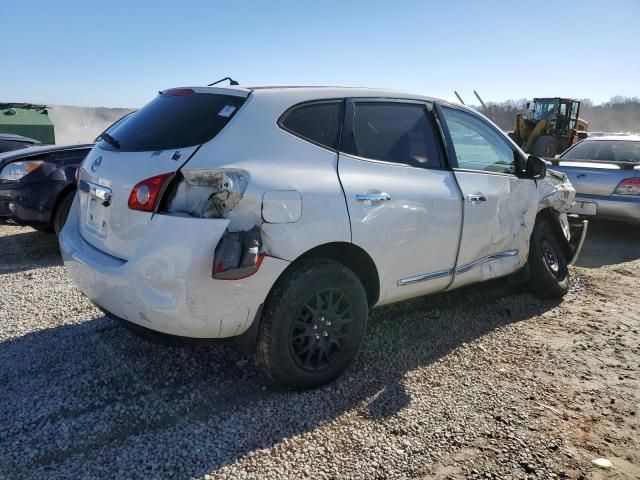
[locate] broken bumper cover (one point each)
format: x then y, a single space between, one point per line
166 285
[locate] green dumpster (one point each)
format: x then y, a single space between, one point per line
27 120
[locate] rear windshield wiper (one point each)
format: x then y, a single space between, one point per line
110 140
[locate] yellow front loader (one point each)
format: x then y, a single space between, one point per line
551 127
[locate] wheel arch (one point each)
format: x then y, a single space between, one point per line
351 256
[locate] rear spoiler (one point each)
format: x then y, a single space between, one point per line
623 165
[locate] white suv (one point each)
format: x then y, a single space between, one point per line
282 215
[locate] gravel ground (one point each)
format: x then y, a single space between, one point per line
485 382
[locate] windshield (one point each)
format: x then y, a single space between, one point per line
172 121
605 150
544 108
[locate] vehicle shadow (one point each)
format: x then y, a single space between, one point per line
27 249
609 243
89 399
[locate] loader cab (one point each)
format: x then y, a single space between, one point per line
561 114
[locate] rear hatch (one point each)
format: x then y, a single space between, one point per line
156 140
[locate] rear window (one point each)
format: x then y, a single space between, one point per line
317 122
605 150
172 121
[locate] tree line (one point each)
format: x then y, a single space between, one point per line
620 114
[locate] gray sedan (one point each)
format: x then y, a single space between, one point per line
605 172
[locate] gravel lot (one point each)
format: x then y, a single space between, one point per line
486 382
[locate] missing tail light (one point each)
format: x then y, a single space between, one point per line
238 255
628 186
205 193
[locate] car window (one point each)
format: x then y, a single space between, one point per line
393 132
318 122
478 146
176 118
605 150
112 127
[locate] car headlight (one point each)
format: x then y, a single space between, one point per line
17 170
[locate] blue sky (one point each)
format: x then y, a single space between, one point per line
120 53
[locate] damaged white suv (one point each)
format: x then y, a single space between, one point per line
281 215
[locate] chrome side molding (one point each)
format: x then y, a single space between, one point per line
463 269
488 258
424 277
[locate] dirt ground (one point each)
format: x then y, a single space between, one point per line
485 382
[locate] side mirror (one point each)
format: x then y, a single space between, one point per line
536 168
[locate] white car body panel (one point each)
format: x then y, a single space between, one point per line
166 285
120 172
414 233
308 169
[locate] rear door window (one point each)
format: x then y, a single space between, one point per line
174 119
317 122
393 132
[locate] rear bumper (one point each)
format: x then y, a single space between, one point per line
29 203
615 207
166 285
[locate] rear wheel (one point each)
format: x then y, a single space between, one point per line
313 324
545 146
62 211
549 274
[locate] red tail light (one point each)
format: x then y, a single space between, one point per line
146 193
628 186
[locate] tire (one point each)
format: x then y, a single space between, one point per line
313 325
61 211
545 146
549 274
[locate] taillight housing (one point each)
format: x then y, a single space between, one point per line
146 193
205 193
628 186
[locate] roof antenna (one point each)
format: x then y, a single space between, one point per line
231 81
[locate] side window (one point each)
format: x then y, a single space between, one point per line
478 146
318 122
393 132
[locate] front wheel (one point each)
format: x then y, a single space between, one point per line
313 324
549 273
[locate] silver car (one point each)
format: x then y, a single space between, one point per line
281 215
605 172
